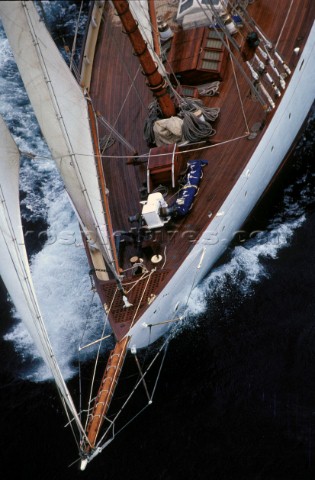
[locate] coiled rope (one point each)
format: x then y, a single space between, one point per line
209 89
154 114
196 120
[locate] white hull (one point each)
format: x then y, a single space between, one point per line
257 175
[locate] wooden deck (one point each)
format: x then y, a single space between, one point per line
119 93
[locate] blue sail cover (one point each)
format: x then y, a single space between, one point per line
187 193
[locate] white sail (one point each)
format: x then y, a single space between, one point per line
62 113
140 12
14 266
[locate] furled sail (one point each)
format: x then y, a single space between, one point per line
14 266
62 113
141 13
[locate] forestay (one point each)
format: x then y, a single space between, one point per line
14 266
62 113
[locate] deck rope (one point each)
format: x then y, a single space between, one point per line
143 292
209 89
135 283
194 128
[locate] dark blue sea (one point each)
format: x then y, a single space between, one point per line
236 396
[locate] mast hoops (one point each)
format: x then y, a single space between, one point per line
141 49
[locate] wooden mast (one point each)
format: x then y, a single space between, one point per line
156 82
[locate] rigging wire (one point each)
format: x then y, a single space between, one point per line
284 24
239 94
99 446
70 422
116 121
74 43
265 51
160 370
79 352
103 443
156 57
38 320
268 45
221 35
98 354
142 295
145 155
110 136
163 265
118 48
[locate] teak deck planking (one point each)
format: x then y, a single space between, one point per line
119 93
